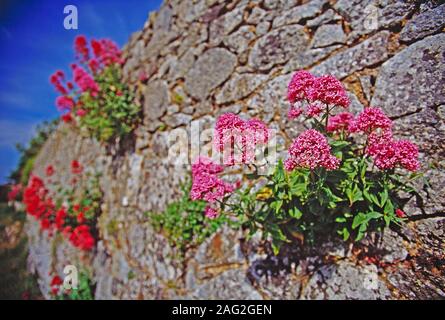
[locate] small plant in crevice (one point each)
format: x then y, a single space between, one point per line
71 209
183 222
343 176
96 99
84 290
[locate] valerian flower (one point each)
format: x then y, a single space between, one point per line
311 150
237 139
370 119
340 122
206 185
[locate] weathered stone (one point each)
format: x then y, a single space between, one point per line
424 24
367 16
256 15
307 58
155 100
327 35
346 281
225 24
177 119
239 40
414 76
280 4
278 46
367 53
239 86
262 28
328 16
297 14
209 71
190 11
196 34
163 18
158 42
231 284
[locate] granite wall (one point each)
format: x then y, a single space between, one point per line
194 60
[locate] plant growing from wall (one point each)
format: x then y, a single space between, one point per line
96 100
71 210
183 222
84 291
343 176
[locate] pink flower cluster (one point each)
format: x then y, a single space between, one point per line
237 139
311 150
388 153
57 79
370 119
206 185
84 80
340 122
104 53
315 91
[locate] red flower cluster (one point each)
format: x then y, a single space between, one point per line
311 150
39 204
81 238
76 167
55 284
49 171
57 79
104 53
81 48
37 201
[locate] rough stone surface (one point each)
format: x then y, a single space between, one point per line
209 71
156 100
414 76
367 53
278 46
239 86
366 16
207 57
327 35
424 24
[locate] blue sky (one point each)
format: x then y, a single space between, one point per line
34 43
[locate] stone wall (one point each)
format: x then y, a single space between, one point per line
194 60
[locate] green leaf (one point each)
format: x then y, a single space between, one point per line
359 219
295 213
345 233
373 215
387 220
